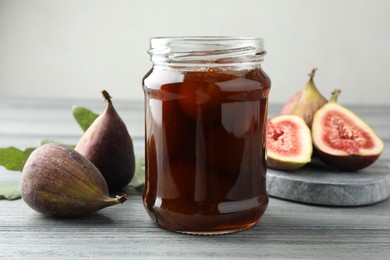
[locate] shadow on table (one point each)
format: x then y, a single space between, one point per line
95 219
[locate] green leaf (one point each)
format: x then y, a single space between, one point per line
51 141
139 174
14 159
10 191
84 116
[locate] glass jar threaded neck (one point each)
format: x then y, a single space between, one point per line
209 51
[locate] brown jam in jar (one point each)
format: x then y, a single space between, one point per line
205 129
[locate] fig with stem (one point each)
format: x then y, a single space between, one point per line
58 181
342 139
306 101
108 145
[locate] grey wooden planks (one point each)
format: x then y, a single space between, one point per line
288 230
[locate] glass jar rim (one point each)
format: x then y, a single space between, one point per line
165 39
179 49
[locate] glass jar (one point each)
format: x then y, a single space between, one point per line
206 106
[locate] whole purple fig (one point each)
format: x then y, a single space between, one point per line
107 144
58 181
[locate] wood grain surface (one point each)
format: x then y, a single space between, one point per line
288 230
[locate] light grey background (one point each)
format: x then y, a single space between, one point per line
75 48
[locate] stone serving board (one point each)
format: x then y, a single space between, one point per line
318 184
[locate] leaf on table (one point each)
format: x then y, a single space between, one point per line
14 159
10 191
83 116
139 174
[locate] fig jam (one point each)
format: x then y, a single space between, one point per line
205 130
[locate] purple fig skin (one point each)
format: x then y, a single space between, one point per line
350 163
284 133
58 181
282 165
341 144
306 101
107 144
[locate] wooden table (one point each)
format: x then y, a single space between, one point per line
287 230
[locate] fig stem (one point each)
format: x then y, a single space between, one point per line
107 96
335 95
121 199
312 73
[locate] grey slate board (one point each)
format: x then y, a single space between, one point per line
319 184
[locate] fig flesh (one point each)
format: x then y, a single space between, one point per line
107 144
306 101
289 143
58 181
342 139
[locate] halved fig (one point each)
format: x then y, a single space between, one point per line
289 143
342 139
